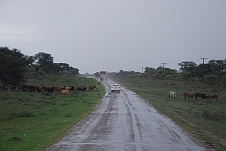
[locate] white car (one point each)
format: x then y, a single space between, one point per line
115 87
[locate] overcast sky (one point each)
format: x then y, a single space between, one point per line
113 35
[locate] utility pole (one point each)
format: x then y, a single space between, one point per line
203 60
163 70
203 68
142 71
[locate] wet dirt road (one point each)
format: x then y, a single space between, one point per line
124 122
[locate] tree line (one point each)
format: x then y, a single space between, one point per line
14 66
212 73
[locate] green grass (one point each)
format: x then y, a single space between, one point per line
204 118
34 121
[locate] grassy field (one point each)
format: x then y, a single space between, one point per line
205 119
33 121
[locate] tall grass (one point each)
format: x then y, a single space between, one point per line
33 121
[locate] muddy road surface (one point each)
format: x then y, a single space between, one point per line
125 122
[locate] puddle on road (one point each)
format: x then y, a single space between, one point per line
107 94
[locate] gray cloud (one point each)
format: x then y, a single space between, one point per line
116 35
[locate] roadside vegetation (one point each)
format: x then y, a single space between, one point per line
203 118
32 119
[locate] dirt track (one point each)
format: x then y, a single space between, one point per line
124 122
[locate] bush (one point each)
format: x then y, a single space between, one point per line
15 139
211 79
25 114
41 73
224 80
186 75
214 116
196 79
180 77
170 77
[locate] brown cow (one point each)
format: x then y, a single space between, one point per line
184 95
92 87
41 88
189 96
66 92
212 96
59 88
10 87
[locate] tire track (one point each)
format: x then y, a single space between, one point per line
137 139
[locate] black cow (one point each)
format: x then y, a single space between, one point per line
74 89
201 95
49 89
81 89
25 87
32 88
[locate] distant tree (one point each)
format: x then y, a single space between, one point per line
221 67
169 71
97 74
149 72
30 60
188 66
31 63
36 66
159 73
58 68
203 69
74 71
64 66
121 73
45 61
13 66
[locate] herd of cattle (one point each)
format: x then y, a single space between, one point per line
67 90
173 94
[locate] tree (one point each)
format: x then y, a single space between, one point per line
36 66
188 66
97 74
31 63
159 73
218 66
203 69
13 66
58 68
149 72
74 71
169 71
45 61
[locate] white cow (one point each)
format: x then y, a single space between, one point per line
172 94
